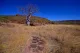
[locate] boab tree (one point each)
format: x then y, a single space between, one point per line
29 11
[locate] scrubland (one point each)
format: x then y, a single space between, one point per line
14 38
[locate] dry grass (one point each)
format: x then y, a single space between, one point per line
59 38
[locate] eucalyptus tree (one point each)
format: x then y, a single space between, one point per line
29 11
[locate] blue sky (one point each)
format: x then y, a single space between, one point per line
51 9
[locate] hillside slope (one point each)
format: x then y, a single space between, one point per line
22 20
14 38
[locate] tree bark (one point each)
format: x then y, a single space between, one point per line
28 19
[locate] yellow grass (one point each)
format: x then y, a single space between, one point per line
13 39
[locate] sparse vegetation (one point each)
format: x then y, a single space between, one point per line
58 38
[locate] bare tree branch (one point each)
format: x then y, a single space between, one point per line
29 11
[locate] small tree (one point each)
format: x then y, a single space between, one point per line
29 11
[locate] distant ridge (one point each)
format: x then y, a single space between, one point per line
68 22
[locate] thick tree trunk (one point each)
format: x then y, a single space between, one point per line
28 19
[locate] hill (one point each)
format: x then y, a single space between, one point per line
15 38
35 20
22 20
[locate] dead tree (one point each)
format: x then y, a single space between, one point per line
29 11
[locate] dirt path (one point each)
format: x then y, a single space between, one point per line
35 45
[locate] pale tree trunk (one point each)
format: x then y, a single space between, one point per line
28 19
